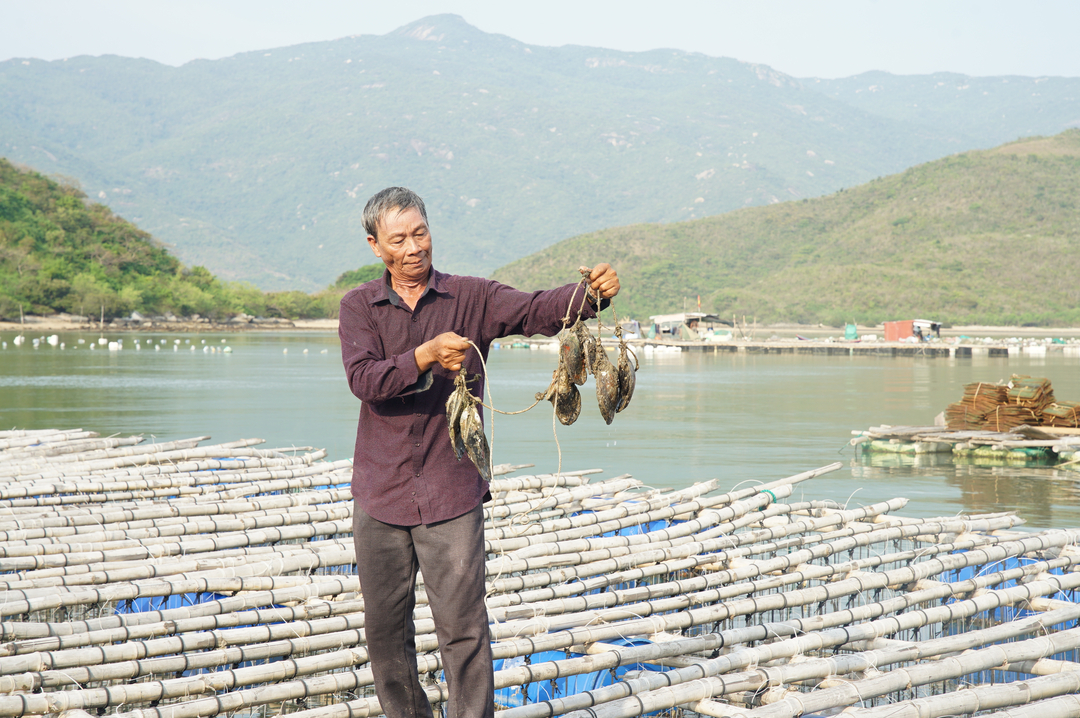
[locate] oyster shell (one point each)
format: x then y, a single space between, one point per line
572 354
568 404
627 377
607 382
476 445
455 405
563 395
588 348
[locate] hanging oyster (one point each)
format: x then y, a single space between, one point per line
476 445
455 406
466 429
572 354
563 395
588 348
568 404
627 376
607 382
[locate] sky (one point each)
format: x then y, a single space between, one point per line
804 38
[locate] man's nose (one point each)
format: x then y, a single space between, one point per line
412 245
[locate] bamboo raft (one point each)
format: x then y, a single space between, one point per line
187 580
1049 446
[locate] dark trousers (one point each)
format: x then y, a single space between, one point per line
451 556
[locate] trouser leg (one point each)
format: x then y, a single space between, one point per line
387 564
452 560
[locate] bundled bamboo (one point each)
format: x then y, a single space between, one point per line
1005 417
190 580
979 400
1030 392
1025 400
1062 413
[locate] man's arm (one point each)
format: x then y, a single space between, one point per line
510 311
372 377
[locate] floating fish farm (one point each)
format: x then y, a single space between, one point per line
188 579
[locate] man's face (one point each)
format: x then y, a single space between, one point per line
404 245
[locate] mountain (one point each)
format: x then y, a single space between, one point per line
980 108
257 166
982 237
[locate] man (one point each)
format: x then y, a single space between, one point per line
416 506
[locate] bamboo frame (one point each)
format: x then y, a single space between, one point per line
186 580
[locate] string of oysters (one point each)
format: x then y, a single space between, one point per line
580 354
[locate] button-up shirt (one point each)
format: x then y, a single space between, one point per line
405 471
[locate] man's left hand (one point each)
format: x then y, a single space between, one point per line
604 280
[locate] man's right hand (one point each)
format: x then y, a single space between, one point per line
447 350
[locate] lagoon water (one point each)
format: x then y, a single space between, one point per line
737 417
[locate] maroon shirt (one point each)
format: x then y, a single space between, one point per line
404 469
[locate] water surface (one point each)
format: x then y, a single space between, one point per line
736 417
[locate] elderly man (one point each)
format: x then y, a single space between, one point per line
416 506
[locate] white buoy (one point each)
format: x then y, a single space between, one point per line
222 341
227 350
5 345
93 346
175 348
82 341
285 350
114 346
61 345
157 347
305 351
325 351
102 341
176 341
205 350
204 341
19 340
53 339
192 348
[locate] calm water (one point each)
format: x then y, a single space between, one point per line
740 418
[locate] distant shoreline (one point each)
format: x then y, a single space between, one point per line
38 325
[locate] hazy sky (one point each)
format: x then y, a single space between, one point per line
820 38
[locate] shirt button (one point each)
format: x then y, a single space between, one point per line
418 445
414 319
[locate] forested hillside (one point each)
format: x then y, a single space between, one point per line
987 237
60 252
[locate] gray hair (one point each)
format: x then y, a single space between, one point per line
387 200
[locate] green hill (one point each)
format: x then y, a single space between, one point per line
257 166
62 253
985 237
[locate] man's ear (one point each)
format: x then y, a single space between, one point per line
374 244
